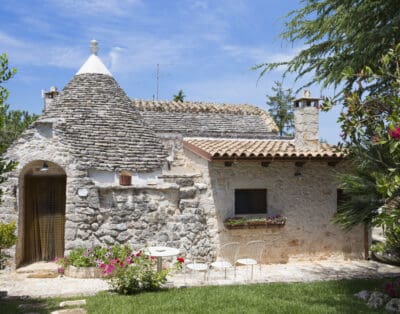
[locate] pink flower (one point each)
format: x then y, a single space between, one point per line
139 253
395 133
152 257
60 270
128 261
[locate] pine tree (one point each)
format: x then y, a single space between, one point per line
281 108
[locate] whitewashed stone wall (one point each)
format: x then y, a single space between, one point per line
308 202
166 211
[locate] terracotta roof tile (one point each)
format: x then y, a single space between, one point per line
248 149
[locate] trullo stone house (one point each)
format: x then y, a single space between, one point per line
99 168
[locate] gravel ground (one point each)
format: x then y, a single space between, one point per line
18 284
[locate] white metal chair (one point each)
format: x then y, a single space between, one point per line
197 265
251 254
228 257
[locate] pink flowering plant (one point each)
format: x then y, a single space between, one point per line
370 125
94 256
136 273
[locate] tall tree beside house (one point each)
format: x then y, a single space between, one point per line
12 122
371 136
180 97
281 108
339 35
9 120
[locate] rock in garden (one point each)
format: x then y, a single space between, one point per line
363 295
393 306
377 300
73 303
70 311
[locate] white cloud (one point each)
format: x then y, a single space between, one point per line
96 7
259 54
7 41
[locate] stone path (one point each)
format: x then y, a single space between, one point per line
18 284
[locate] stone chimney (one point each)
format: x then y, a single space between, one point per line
49 97
306 125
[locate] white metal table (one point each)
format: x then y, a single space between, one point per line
162 251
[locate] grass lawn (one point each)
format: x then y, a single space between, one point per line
317 297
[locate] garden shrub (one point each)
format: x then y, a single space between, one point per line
138 273
93 256
7 240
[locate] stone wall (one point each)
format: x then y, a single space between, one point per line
163 214
308 202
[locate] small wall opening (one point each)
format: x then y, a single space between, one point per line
125 178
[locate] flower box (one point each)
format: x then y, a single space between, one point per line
243 223
83 272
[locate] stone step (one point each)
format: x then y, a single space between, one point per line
38 268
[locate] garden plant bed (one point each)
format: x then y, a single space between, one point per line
83 272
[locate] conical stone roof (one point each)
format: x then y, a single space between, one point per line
102 128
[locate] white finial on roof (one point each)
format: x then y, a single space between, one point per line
94 47
93 64
307 93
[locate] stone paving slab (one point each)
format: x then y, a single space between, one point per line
17 284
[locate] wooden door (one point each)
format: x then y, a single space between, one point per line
44 217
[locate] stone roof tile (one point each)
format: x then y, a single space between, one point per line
207 119
102 128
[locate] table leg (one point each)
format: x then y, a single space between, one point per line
159 264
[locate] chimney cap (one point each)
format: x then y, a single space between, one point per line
306 100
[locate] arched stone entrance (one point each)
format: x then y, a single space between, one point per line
42 215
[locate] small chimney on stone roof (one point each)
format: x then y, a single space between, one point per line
94 47
49 97
306 124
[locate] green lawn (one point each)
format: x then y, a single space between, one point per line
319 297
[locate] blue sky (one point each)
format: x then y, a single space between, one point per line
205 47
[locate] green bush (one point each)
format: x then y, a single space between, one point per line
93 256
7 239
139 274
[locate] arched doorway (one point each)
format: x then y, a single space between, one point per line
43 217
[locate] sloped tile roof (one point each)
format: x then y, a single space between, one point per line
207 119
101 127
255 149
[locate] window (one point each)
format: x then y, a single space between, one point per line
250 201
125 178
341 198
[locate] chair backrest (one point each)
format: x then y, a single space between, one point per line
253 249
229 251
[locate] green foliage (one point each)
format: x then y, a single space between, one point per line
5 74
12 122
180 97
341 37
94 256
7 239
371 136
281 108
140 275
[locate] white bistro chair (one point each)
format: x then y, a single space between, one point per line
228 253
197 265
251 254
